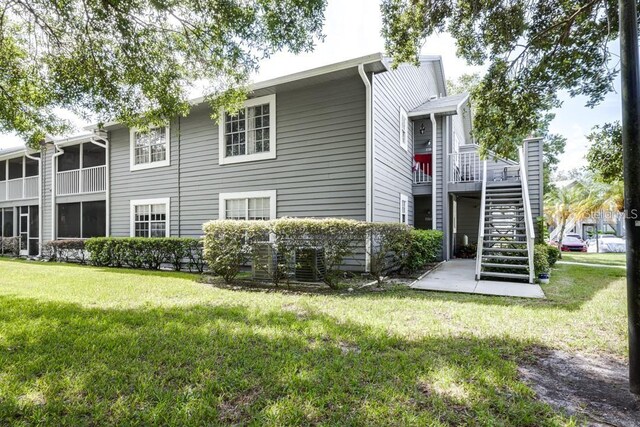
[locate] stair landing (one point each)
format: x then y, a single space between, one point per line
459 276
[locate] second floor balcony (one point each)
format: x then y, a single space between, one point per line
19 178
81 169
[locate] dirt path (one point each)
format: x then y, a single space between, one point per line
593 387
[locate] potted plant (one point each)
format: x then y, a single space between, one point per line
544 277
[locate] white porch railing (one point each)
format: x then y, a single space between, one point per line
465 167
81 181
422 174
19 188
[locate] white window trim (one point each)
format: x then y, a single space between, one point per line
132 213
143 166
404 122
223 197
271 154
403 198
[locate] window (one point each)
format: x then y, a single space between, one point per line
251 134
82 220
404 130
93 155
151 149
404 209
31 167
252 205
81 156
7 222
150 218
15 168
70 159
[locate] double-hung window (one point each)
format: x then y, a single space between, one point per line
150 149
404 209
252 205
150 218
251 133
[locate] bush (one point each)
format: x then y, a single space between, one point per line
65 250
10 246
467 251
553 254
541 259
142 252
425 247
229 244
389 245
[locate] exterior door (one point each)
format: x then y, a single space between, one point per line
23 229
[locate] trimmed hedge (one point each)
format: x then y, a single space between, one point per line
10 246
228 245
425 247
143 252
65 250
541 258
553 254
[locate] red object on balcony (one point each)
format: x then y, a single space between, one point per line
425 162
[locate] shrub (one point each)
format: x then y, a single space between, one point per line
388 246
467 251
229 244
425 247
553 254
10 246
65 250
541 259
142 252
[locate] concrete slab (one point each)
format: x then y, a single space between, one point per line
459 276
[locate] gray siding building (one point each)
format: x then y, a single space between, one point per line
355 140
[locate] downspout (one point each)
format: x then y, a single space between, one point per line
368 153
54 168
434 175
95 139
39 160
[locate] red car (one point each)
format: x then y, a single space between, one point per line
573 244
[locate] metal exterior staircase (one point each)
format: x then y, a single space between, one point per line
506 234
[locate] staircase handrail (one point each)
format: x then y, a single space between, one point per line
481 222
528 220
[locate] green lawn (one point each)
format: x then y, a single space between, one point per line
594 258
95 346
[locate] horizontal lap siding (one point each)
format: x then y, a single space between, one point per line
406 87
319 170
535 176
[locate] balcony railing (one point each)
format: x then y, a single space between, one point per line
19 188
465 167
422 174
81 181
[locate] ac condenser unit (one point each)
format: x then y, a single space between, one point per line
265 261
310 266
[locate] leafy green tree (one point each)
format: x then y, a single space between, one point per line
533 50
605 152
136 61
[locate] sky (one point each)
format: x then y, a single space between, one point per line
352 29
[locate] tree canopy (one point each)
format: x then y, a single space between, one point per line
136 61
605 153
533 50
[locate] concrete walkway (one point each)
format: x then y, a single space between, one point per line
459 276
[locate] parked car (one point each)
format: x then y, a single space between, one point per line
607 244
577 236
573 244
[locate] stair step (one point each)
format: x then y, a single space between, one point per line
506 257
504 194
506 228
484 249
498 265
501 198
504 235
504 275
506 242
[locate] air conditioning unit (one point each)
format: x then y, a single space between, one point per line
265 261
310 266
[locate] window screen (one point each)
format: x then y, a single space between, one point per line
69 220
92 155
15 168
70 160
93 219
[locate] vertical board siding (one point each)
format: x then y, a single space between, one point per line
319 170
406 87
534 162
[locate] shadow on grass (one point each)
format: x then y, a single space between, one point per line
64 364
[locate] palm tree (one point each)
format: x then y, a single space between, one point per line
564 203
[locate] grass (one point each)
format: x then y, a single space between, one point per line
94 346
619 259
